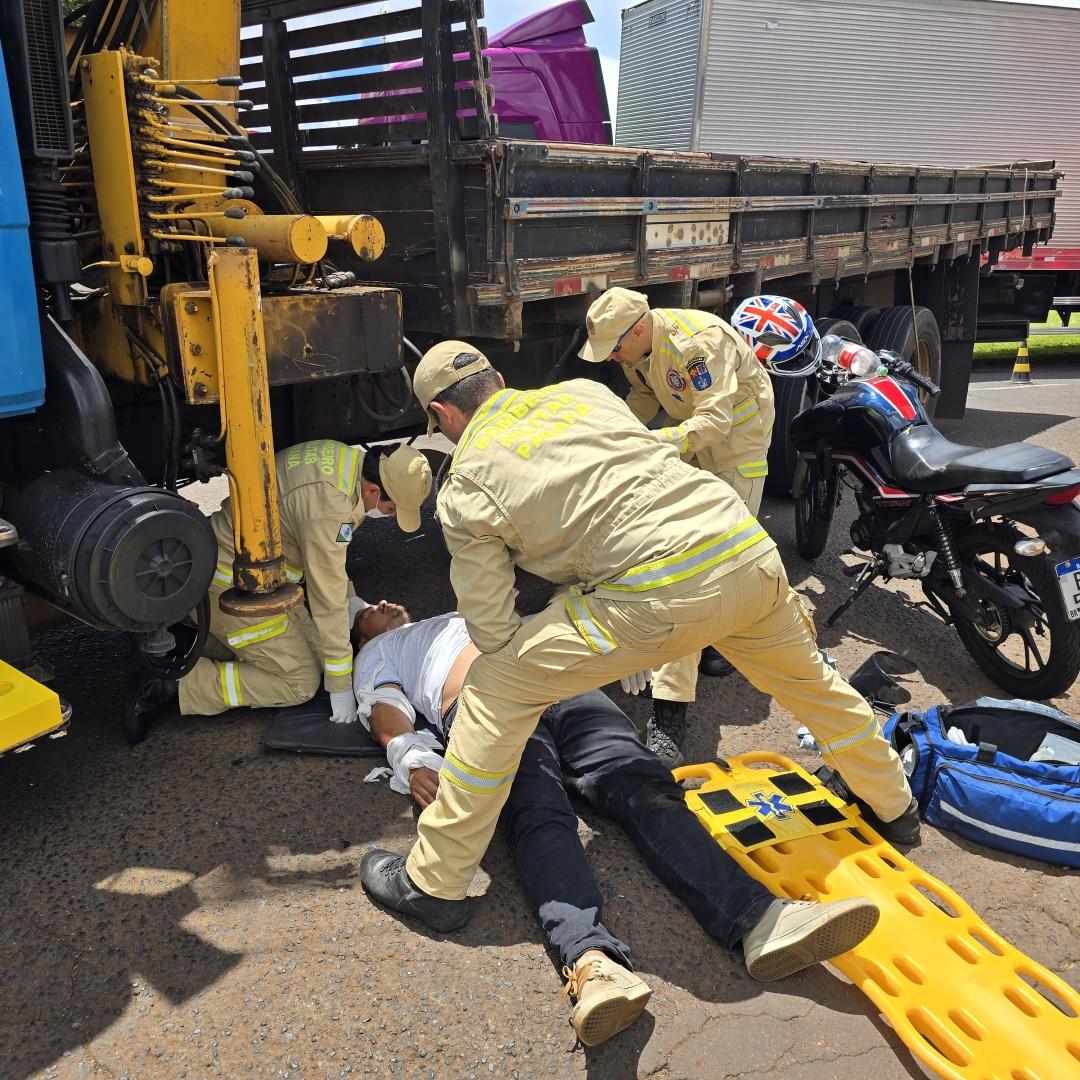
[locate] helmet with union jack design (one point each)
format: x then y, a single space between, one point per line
781 333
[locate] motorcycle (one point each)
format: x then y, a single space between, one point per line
992 536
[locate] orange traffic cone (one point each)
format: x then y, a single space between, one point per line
1021 372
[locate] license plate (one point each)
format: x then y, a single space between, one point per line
1069 582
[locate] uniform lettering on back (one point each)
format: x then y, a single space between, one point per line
531 421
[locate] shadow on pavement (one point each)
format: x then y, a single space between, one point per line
618 1057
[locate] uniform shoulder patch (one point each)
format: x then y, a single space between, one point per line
344 534
675 380
698 371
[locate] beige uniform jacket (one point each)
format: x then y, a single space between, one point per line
319 506
565 483
705 377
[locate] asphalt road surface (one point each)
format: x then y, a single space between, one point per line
191 907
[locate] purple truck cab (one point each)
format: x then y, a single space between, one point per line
548 83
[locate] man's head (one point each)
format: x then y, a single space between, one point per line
395 480
619 326
451 382
376 619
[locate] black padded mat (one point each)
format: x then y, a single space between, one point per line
307 729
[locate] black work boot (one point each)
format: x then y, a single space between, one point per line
712 663
146 698
385 879
906 829
665 732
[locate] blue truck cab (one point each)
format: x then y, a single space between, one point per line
22 371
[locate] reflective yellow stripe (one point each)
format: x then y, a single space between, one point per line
338 667
679 567
687 321
223 576
743 413
475 780
851 739
499 403
675 434
293 575
751 469
348 461
667 347
594 635
263 631
231 693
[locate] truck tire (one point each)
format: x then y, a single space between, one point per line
893 331
842 328
862 318
790 399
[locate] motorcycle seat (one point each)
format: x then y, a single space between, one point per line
924 460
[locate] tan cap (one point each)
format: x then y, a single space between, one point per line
608 318
406 479
443 365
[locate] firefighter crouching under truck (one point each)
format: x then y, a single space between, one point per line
325 489
712 383
656 558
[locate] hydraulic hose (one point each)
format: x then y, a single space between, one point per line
225 126
169 404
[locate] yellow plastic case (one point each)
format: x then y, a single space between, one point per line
962 999
28 710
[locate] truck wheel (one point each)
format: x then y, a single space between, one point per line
842 328
789 399
862 318
893 331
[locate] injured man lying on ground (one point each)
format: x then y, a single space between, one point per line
407 673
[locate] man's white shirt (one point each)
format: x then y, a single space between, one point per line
417 658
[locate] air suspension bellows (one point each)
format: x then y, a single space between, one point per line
120 558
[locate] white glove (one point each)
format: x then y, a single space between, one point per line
344 706
634 684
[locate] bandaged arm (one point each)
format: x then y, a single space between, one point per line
387 714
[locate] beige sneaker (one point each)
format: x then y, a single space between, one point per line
793 934
609 998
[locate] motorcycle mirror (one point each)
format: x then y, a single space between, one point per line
874 679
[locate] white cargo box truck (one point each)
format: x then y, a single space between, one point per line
932 82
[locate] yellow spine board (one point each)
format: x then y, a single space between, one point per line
28 710
959 996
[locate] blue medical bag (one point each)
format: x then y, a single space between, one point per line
1009 777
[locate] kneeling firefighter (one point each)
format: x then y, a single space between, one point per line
710 378
325 489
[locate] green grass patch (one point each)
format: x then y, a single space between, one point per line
1052 347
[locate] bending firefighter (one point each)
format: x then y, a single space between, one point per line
325 489
657 559
712 384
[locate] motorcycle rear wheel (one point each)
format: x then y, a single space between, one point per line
1040 661
814 512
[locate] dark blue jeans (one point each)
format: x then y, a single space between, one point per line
589 744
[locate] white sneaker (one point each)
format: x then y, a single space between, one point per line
609 998
793 934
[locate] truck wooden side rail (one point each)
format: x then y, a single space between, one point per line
507 241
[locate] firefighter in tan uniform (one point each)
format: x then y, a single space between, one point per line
325 489
656 558
707 380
